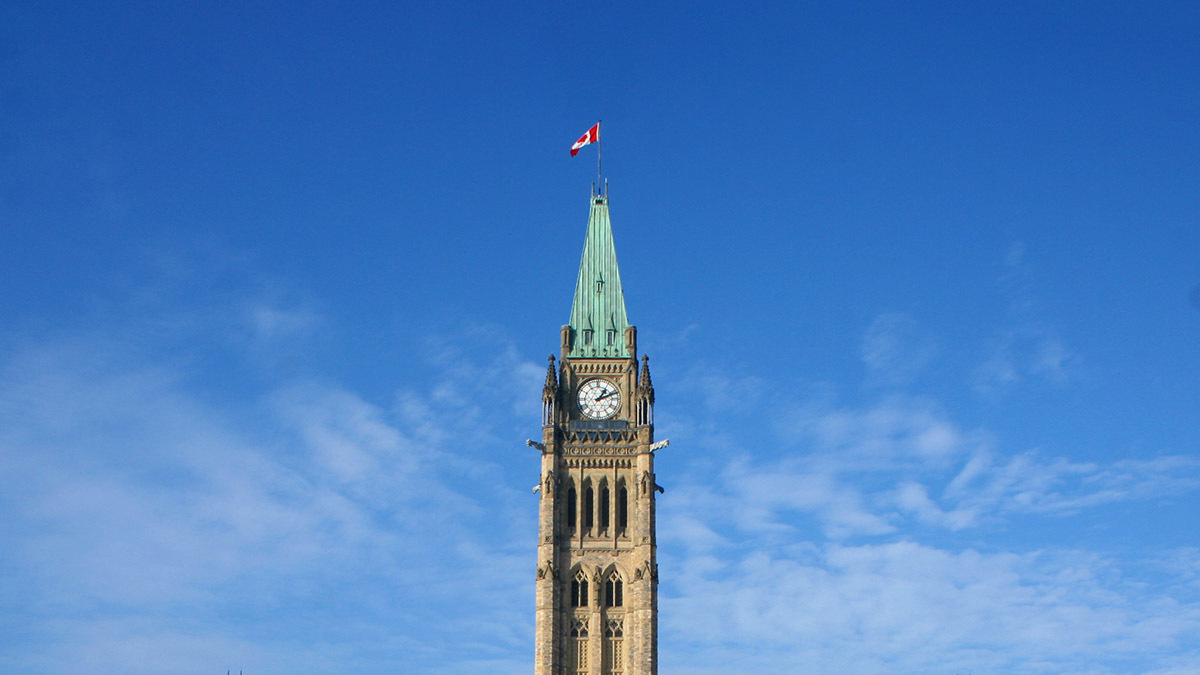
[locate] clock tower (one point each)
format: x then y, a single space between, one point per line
597 577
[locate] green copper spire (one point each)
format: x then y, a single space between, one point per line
598 320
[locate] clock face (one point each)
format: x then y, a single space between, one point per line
599 399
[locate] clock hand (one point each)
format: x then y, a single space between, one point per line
605 395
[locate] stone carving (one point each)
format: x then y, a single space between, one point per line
598 463
547 572
603 436
646 571
585 450
602 368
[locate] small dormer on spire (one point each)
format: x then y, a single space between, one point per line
598 325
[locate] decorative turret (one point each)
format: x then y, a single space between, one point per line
644 383
598 326
549 394
551 387
645 394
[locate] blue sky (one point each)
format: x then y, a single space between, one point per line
920 284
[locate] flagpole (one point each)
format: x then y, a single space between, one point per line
599 146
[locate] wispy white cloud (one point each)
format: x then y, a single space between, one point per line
1028 482
907 607
896 348
904 457
898 431
770 495
913 499
152 519
211 526
1031 351
270 322
1027 348
843 554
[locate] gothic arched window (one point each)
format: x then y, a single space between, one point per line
579 590
614 647
604 507
588 510
577 657
622 508
571 507
614 591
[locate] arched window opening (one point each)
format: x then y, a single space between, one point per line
622 509
578 658
588 503
579 590
614 646
603 507
571 508
614 591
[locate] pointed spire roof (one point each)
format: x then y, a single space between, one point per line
551 379
599 305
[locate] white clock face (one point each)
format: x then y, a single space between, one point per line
599 399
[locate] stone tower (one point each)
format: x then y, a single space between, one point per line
597 577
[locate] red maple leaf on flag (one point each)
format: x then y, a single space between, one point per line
590 136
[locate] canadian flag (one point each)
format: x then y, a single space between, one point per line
591 136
